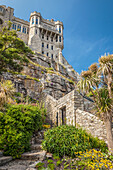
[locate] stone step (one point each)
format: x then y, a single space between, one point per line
38 141
36 147
34 156
5 159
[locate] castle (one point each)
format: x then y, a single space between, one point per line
41 35
65 105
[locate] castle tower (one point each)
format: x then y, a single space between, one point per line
34 32
46 36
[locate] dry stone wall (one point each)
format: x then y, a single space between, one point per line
91 123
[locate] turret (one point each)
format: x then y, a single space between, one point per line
34 23
59 26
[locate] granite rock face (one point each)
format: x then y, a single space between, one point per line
44 74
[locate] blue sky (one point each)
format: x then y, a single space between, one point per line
88 26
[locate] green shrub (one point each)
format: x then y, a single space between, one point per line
16 128
66 140
58 163
50 161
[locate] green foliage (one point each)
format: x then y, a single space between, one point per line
39 165
66 140
51 166
13 50
17 126
50 161
58 163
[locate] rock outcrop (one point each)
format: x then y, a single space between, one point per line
44 74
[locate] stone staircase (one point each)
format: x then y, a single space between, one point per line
36 152
28 159
4 159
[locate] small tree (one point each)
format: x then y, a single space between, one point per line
13 50
98 81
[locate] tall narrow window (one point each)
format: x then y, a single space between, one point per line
51 56
36 20
42 44
42 36
47 54
42 52
24 30
47 37
51 39
13 26
19 28
27 30
56 38
1 9
60 39
36 31
52 47
47 46
59 29
33 20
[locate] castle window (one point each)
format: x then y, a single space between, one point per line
42 36
19 28
52 47
33 20
47 54
60 39
56 38
51 56
1 8
27 30
14 26
36 20
51 39
47 37
42 44
59 29
47 46
42 52
36 31
24 30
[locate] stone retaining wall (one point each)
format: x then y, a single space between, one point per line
91 123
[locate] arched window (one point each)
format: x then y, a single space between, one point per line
36 20
33 20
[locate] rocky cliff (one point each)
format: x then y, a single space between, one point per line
44 74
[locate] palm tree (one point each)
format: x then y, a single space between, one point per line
106 71
98 81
